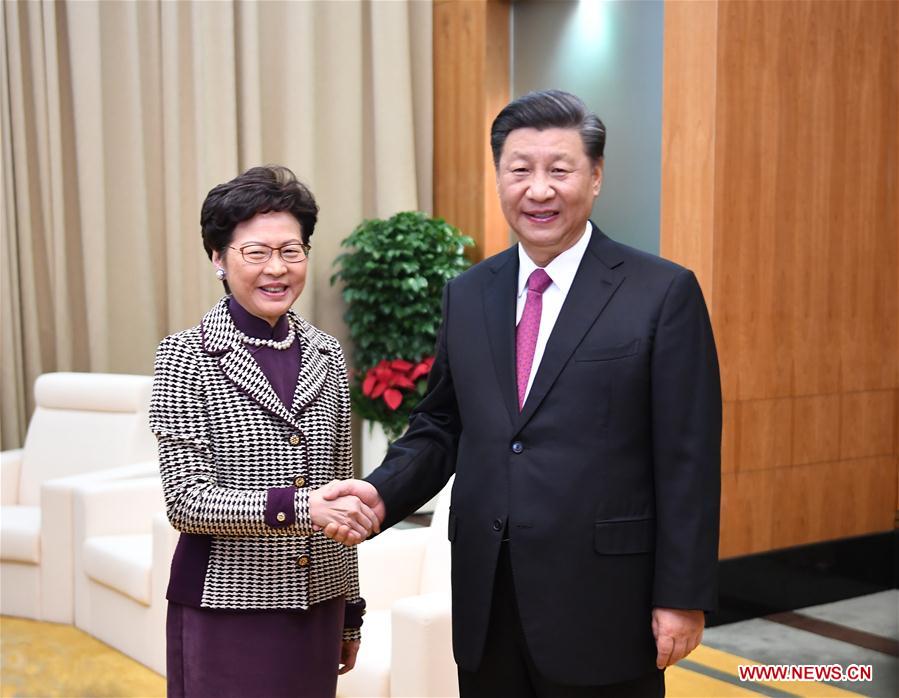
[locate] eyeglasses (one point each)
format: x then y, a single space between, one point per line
256 253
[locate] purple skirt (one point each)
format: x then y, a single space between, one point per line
253 653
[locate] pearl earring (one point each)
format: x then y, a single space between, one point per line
220 274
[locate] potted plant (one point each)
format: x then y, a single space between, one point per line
393 275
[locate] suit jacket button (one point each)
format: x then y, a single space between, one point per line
517 447
282 517
299 481
294 439
303 560
497 525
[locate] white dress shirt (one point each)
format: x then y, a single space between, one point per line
561 270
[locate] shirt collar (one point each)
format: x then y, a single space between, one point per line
561 270
253 326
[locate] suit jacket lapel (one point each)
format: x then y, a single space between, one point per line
241 369
594 285
220 338
313 367
499 313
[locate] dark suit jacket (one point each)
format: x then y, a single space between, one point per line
607 482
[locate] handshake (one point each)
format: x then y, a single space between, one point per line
348 511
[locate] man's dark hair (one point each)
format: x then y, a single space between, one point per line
549 109
267 189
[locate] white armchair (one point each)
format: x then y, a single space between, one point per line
86 426
407 635
123 552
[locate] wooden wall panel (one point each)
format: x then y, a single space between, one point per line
471 85
867 424
804 220
816 429
763 437
794 230
782 507
688 138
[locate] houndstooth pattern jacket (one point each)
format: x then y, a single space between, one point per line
238 467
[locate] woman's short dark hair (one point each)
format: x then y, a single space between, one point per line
266 189
549 109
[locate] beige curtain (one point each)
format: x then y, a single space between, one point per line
118 117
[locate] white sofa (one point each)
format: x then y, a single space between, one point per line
124 546
86 426
407 635
123 552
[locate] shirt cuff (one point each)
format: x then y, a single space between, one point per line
352 615
279 507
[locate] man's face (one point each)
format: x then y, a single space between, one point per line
546 186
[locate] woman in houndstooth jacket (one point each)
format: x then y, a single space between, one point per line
251 410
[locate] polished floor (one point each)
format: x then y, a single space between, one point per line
859 631
44 659
47 659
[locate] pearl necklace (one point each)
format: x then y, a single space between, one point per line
274 344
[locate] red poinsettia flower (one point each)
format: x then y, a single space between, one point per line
422 368
388 378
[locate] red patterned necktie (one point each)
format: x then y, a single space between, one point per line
528 328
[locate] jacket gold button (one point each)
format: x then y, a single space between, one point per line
303 560
299 481
294 439
281 516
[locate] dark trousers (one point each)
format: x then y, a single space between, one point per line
507 668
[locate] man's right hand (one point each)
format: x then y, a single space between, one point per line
346 511
346 533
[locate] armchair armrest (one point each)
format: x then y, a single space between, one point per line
390 566
58 535
112 507
422 647
164 534
145 468
107 508
55 488
165 539
10 467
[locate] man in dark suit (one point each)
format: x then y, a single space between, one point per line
576 396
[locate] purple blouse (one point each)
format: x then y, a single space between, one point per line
281 367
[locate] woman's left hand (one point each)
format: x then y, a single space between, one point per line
348 651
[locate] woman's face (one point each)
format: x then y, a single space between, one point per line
266 290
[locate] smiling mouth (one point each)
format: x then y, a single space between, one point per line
274 289
541 216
